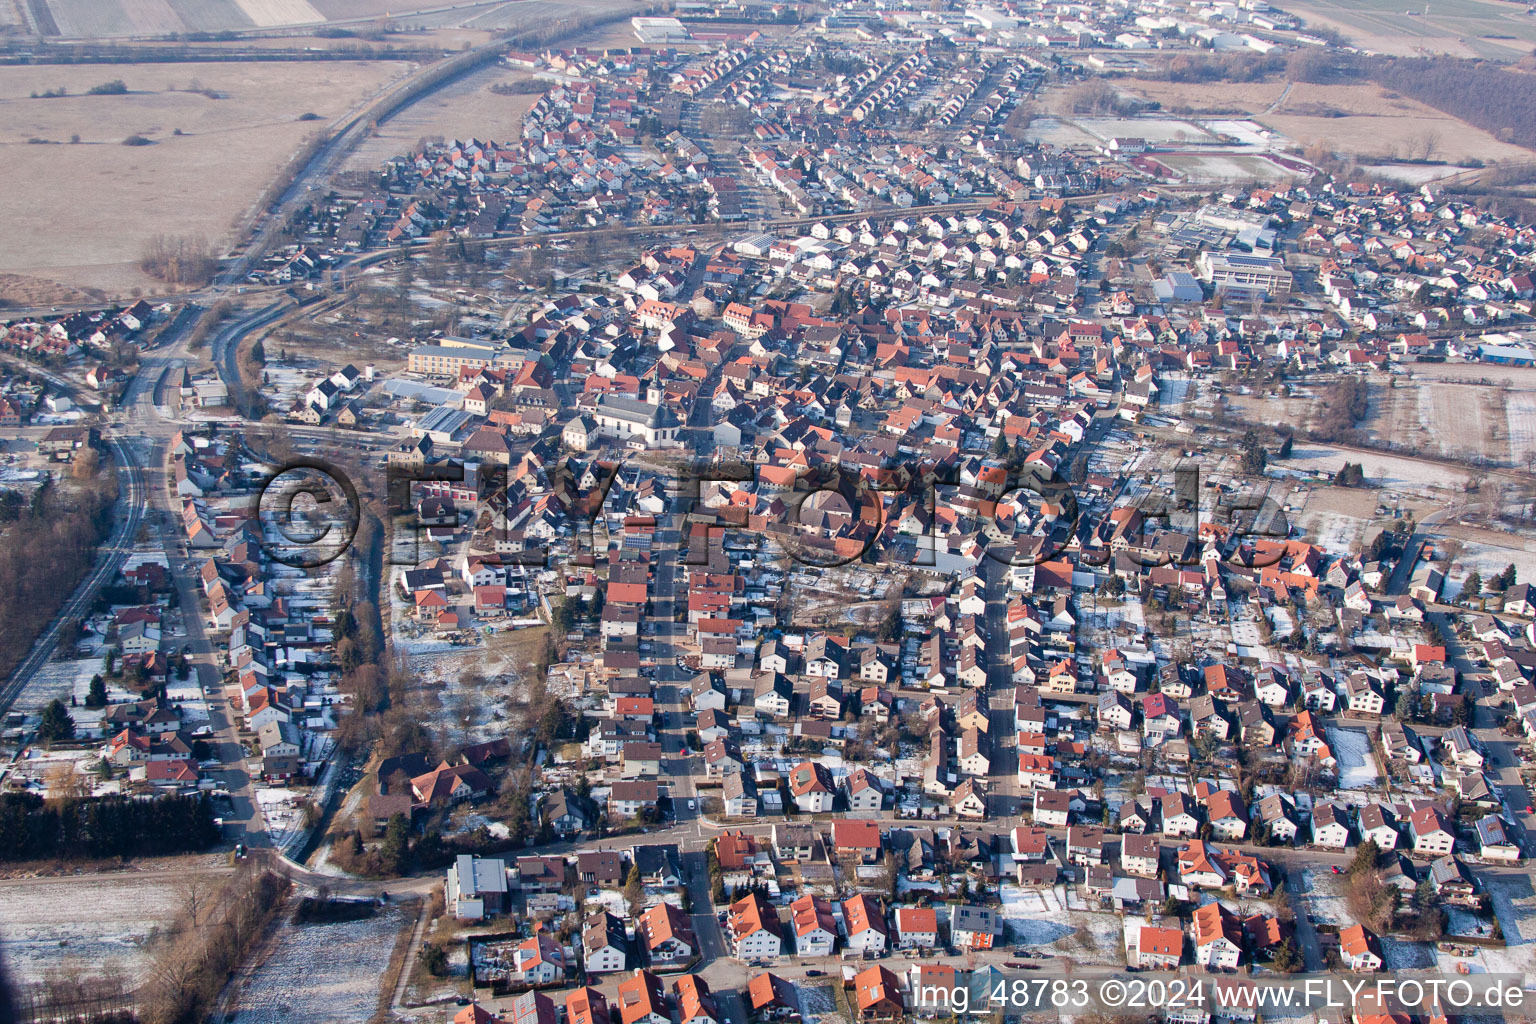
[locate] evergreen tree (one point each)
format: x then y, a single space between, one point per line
1472 586
1366 856
396 848
56 724
634 889
1288 958
96 697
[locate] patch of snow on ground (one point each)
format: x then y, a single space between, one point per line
1402 955
62 679
1326 897
1033 917
1490 560
1357 765
1390 471
818 1005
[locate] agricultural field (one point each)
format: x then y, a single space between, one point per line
1440 418
102 922
103 19
218 134
1197 97
323 971
1463 28
1456 420
463 109
1362 120
1520 426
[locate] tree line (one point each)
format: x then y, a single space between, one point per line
107 826
1344 405
214 932
46 550
1485 95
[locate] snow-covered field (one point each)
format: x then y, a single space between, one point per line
1389 471
1520 417
1033 917
1514 902
61 679
100 922
1357 765
1335 531
1490 560
322 972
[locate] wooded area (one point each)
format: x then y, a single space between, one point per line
45 552
108 826
1487 96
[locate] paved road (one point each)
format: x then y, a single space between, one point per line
152 430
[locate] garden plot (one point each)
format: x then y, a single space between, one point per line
322 972
1513 903
63 679
1173 393
1402 955
1357 766
819 1005
101 922
1059 918
475 686
284 383
283 812
1326 897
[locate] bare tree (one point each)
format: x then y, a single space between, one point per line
179 259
